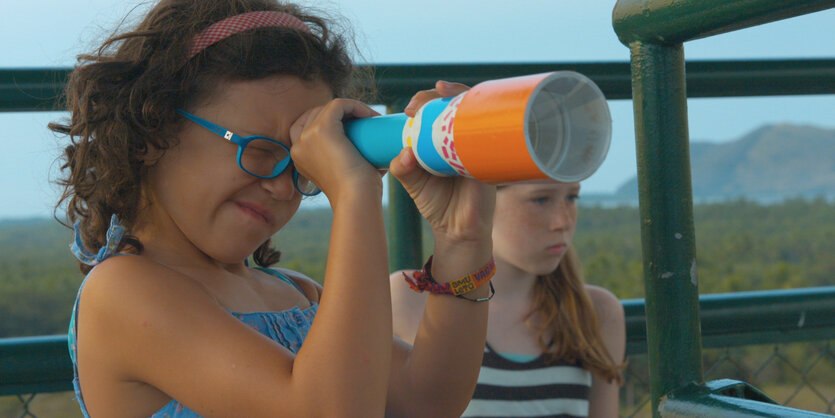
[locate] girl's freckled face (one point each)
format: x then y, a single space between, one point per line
197 187
534 224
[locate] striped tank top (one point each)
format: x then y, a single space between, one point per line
534 388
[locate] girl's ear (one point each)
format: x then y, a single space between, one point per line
152 155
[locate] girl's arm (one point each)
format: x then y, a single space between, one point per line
437 376
603 398
406 305
346 358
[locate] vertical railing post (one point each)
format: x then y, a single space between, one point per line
405 243
666 210
404 235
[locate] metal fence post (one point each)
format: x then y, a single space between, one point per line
666 210
404 235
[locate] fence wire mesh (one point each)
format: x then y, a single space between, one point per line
40 405
798 375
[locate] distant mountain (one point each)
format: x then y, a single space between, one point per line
770 164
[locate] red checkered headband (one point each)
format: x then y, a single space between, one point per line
243 22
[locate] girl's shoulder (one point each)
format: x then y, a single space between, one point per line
122 269
130 304
134 282
607 306
311 288
611 319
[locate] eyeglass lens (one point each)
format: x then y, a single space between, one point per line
260 156
305 186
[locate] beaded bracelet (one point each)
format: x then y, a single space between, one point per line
423 281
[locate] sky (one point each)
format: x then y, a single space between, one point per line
50 33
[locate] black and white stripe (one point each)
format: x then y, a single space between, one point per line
532 389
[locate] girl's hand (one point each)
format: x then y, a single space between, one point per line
322 153
459 209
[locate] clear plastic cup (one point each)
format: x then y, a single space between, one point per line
568 126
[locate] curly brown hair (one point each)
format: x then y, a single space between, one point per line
122 99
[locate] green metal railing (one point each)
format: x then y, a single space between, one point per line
654 31
800 381
749 318
40 89
38 365
737 321
34 365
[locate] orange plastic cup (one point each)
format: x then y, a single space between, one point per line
553 125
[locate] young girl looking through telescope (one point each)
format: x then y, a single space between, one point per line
193 137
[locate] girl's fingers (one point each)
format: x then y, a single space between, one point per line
449 89
442 89
419 99
297 127
407 170
320 150
334 112
403 163
344 109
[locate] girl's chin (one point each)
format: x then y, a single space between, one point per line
547 267
234 253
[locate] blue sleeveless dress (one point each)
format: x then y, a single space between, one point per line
288 328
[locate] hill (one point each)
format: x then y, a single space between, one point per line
770 164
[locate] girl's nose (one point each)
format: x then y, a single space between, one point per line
280 187
560 218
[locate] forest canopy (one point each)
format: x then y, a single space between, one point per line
740 245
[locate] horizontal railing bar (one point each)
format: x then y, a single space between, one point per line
745 318
40 89
667 22
34 364
32 89
760 78
398 82
42 364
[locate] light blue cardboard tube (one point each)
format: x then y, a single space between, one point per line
378 139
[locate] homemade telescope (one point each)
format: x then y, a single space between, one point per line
553 125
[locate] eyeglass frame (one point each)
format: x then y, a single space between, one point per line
242 142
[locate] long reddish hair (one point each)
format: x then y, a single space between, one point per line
568 328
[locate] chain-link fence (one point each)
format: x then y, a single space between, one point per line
43 405
798 375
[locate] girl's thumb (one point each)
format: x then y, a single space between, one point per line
406 168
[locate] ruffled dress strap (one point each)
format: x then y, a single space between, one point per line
114 236
115 232
284 278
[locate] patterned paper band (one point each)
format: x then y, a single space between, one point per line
418 133
443 136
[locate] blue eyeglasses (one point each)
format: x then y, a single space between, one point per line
259 156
